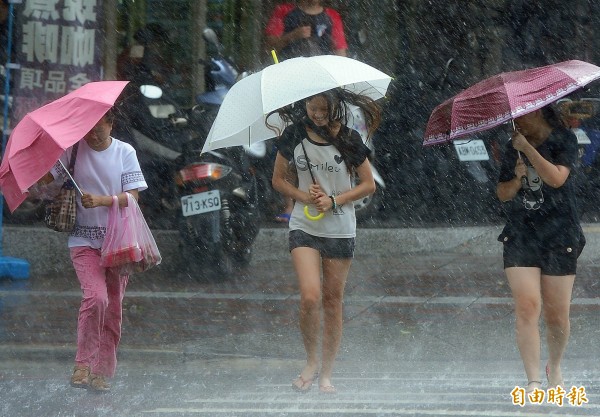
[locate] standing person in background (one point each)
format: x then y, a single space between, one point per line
305 28
542 237
104 167
146 61
325 154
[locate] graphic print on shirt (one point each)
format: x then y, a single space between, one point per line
320 29
533 196
327 167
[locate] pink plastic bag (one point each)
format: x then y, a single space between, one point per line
128 245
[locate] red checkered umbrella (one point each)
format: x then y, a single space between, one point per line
505 96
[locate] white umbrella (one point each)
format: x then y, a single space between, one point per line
241 117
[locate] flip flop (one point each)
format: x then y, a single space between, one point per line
305 385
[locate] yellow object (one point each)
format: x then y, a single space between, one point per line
311 217
274 55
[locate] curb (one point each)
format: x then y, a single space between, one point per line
46 251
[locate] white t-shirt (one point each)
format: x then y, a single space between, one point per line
330 171
108 172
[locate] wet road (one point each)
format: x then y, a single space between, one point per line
427 334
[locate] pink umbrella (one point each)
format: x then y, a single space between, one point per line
505 96
41 137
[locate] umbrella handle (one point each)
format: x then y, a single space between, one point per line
71 178
311 217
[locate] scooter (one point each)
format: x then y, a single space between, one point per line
209 198
219 216
441 184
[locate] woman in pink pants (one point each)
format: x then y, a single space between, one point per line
104 167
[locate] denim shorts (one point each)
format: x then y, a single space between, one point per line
328 247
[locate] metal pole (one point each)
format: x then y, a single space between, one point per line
198 48
9 267
8 67
6 98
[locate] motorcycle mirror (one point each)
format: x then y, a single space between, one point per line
151 91
210 36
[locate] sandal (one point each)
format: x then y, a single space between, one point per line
80 377
98 383
305 384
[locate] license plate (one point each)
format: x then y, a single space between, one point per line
471 150
201 203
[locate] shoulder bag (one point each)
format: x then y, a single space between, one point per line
60 212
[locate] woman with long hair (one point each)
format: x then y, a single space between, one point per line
318 157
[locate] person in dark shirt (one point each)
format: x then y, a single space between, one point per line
305 29
145 61
542 237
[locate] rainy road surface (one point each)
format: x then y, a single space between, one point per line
428 334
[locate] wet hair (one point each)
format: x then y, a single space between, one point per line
338 101
552 116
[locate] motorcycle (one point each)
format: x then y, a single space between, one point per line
219 216
209 198
450 183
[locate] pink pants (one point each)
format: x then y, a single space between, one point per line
100 314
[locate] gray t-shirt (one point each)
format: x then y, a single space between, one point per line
330 171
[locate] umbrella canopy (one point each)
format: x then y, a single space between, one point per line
241 117
505 96
40 138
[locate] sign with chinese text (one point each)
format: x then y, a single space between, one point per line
58 48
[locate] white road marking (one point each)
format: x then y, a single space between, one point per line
357 411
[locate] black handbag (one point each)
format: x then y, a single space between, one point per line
60 212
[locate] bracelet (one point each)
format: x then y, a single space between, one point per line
333 202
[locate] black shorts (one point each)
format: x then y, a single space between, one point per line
328 247
526 251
